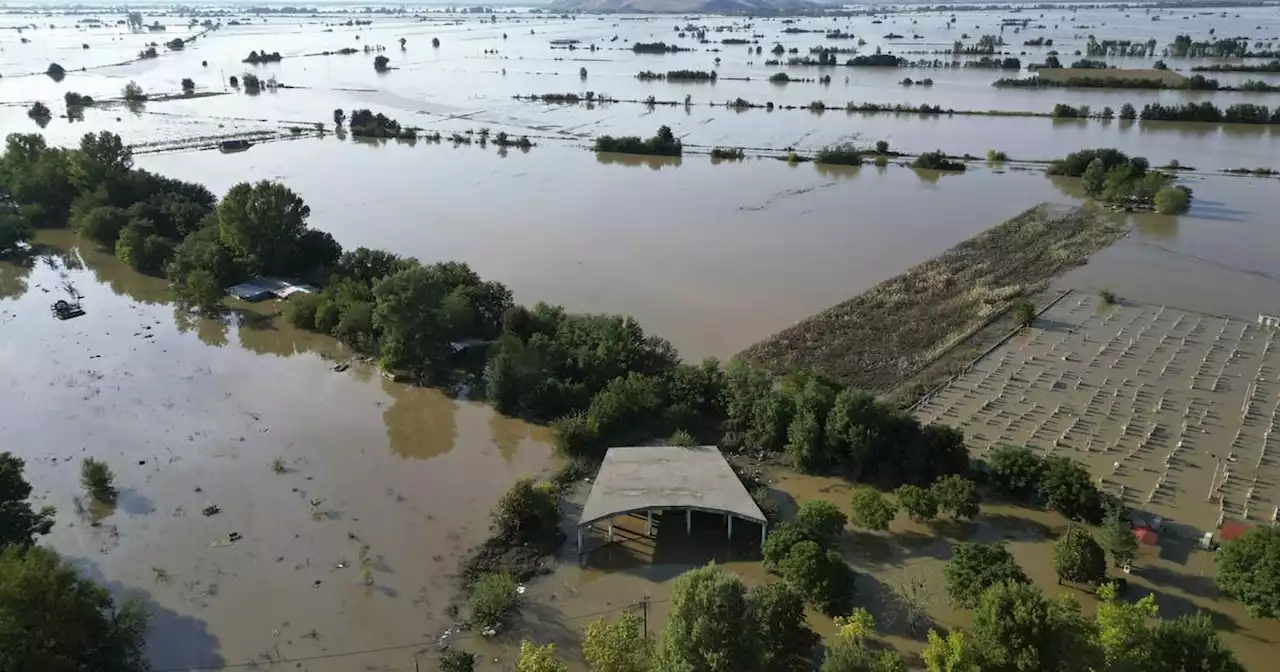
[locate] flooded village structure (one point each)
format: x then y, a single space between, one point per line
745 292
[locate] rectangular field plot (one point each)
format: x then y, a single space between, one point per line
1174 411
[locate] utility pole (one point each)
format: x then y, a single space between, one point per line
644 605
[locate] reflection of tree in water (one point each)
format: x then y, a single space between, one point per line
109 271
421 422
13 276
269 334
653 162
211 330
507 433
932 176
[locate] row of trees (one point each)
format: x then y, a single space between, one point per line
717 623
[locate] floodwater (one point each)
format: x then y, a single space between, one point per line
713 256
352 547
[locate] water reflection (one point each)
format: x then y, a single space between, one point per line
652 162
14 271
838 172
421 422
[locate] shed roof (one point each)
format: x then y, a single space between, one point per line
1232 529
647 477
1147 536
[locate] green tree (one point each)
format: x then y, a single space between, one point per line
102 225
821 576
617 646
1078 558
918 502
820 521
200 290
974 568
953 653
142 248
1249 571
1024 313
262 225
526 512
1015 470
848 651
785 637
871 510
1122 629
710 626
1066 487
19 523
957 495
96 478
1116 538
534 658
54 621
103 159
1018 630
1127 112
1189 643
1094 177
1172 200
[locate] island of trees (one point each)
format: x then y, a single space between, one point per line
664 143
256 57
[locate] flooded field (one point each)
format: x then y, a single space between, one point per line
353 547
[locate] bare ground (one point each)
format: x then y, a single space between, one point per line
894 330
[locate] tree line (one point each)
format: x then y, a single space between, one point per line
664 143
1111 175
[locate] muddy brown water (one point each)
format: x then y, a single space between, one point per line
191 413
713 257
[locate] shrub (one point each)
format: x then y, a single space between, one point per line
871 510
1172 200
841 155
96 478
493 597
133 93
527 511
55 71
779 78
729 153
996 156
662 144
882 147
1108 297
1078 558
1024 313
188 85
937 160
822 577
381 63
918 502
39 110
457 660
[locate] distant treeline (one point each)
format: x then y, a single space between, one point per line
679 75
1271 66
656 48
263 57
1193 83
1240 113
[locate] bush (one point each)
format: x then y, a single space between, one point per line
1172 200
729 153
188 85
493 598
871 510
381 63
662 144
1014 470
133 93
55 71
1024 313
841 155
457 660
957 494
996 156
918 502
527 511
74 99
882 147
937 160
1108 297
779 78
301 310
1247 570
96 478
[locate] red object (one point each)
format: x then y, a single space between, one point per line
1147 536
1231 529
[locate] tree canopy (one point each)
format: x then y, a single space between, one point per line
1019 630
1078 558
54 621
1249 571
710 626
974 568
872 510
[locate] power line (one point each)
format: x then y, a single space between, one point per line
383 649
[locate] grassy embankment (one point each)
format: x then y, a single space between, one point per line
886 335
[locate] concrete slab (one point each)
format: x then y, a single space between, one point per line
633 479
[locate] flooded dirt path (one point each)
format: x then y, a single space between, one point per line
353 546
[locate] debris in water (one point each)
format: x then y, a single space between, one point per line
210 510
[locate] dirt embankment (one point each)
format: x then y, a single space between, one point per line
889 333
